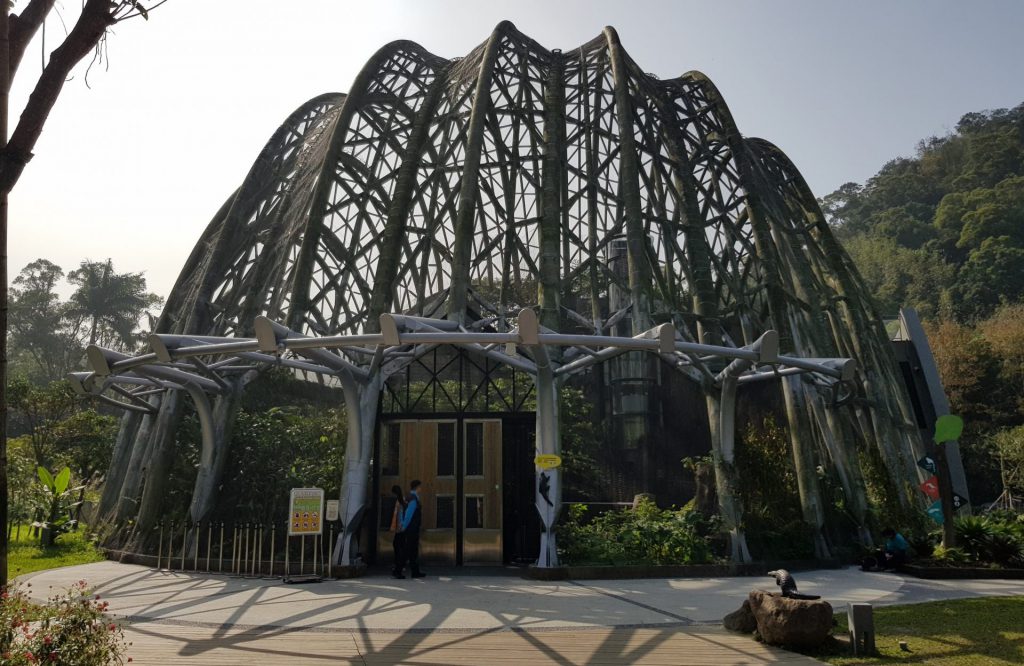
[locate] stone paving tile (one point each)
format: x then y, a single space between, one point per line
465 617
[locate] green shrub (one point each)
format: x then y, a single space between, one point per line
973 533
643 535
952 557
70 629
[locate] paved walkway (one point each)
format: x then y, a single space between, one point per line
469 617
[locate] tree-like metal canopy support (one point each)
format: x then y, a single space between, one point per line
546 209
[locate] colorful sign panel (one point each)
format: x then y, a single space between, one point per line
548 461
928 464
306 511
935 512
931 487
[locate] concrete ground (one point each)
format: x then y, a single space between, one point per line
461 616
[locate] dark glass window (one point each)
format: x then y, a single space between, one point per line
446 449
445 511
389 450
387 510
474 511
474 449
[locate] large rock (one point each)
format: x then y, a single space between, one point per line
796 622
741 620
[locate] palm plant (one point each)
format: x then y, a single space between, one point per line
110 304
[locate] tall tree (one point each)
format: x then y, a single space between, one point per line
111 303
16 32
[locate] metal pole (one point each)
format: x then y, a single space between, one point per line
209 542
184 538
160 546
170 545
195 558
286 549
273 534
244 558
330 551
220 551
302 555
255 549
234 549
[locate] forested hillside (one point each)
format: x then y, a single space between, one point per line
943 231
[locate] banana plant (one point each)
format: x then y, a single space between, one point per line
57 504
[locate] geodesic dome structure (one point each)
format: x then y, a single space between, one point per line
569 183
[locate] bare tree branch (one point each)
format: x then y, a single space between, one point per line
96 17
23 28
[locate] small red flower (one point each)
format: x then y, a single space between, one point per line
113 626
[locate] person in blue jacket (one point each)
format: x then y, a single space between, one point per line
411 520
896 550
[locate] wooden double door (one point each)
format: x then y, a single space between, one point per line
458 462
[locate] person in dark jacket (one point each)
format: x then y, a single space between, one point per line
398 543
411 522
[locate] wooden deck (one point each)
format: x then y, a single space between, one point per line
161 643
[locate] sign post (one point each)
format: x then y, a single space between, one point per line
305 518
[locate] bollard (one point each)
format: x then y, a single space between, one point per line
160 545
861 621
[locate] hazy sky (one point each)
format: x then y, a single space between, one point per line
134 167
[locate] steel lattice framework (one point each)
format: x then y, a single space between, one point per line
470 190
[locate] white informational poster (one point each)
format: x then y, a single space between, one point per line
333 507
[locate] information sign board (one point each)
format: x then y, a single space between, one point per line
305 511
331 513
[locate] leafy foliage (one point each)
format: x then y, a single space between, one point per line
57 502
943 231
271 452
582 473
48 336
772 516
70 628
644 534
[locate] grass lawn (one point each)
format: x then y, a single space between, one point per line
948 633
25 555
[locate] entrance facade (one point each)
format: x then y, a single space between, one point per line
459 462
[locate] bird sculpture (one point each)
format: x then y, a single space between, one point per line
788 584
